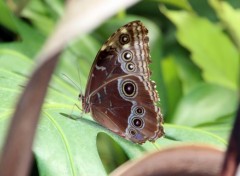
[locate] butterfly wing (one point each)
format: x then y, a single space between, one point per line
119 93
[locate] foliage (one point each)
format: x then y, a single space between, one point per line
195 49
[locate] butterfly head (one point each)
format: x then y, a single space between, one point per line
85 105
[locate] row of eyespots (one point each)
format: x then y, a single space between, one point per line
127 55
129 90
136 122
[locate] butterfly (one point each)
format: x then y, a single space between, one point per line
119 94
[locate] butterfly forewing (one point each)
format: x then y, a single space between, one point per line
120 94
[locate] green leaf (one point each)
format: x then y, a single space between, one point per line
230 18
173 86
219 126
205 103
210 47
31 40
190 135
6 19
183 4
188 72
40 15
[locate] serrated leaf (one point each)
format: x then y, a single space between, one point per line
230 18
210 48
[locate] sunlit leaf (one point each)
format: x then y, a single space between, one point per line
230 18
210 48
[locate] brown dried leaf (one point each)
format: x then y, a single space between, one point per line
177 161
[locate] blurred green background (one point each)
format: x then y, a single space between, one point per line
194 47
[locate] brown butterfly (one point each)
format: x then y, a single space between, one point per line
119 94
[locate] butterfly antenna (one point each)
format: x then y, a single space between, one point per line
72 82
76 54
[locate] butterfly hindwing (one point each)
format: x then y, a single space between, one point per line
129 112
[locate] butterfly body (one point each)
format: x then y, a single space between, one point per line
120 95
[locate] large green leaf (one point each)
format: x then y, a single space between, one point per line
211 49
